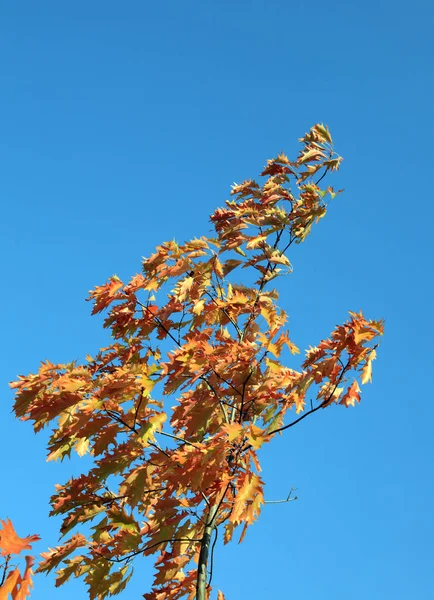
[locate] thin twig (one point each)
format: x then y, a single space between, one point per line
162 326
310 412
219 400
228 383
138 407
5 568
288 499
179 439
212 556
322 176
142 550
227 315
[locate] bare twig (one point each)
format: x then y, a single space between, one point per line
322 176
5 568
288 499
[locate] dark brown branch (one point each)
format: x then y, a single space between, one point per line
154 445
227 315
116 417
179 439
5 568
180 324
142 550
212 556
138 408
228 383
245 382
322 176
178 343
313 410
113 499
159 322
303 416
268 269
219 400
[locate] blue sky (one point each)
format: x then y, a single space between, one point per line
124 124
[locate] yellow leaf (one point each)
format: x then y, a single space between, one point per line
229 531
218 267
310 155
248 500
198 307
256 437
82 446
367 369
148 431
184 288
256 242
234 430
292 347
323 132
273 365
73 385
280 259
146 383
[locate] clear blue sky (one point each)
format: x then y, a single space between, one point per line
124 124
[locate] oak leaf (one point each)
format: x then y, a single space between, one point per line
10 542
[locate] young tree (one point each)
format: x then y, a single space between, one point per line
165 483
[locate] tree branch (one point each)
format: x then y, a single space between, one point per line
5 568
303 416
212 556
313 410
179 439
142 550
288 499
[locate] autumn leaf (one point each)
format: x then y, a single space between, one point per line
256 437
26 582
313 154
234 431
352 395
367 369
82 446
11 543
54 556
12 580
15 584
105 294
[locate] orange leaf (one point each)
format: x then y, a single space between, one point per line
11 543
11 581
352 395
26 583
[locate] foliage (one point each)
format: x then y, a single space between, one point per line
12 582
165 479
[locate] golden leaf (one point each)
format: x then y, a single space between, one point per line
367 369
